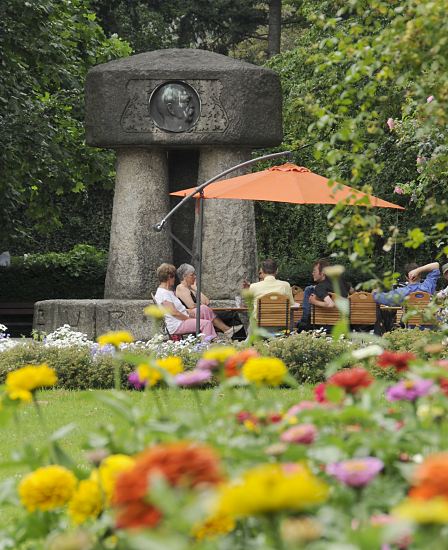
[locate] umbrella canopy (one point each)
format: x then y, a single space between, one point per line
287 183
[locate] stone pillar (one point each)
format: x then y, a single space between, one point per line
229 250
141 199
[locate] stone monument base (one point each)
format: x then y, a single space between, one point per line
94 317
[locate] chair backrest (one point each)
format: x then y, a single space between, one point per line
362 308
417 302
322 316
273 310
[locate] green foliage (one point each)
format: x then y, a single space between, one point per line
150 25
79 273
48 47
305 355
76 367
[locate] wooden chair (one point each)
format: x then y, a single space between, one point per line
296 313
363 309
322 316
273 311
415 303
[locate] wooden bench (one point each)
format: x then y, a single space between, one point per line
18 317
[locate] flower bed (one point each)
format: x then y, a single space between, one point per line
362 465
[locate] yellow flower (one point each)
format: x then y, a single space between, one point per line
115 338
219 353
434 510
21 383
272 488
264 370
171 364
86 502
300 530
155 311
109 470
214 526
47 488
148 374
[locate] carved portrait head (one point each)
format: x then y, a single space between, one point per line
174 106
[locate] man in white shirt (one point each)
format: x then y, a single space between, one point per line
269 283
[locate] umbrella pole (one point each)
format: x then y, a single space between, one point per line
199 263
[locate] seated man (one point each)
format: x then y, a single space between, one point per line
414 284
319 294
268 283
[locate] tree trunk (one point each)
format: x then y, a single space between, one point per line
275 27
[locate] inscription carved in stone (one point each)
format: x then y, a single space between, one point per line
147 103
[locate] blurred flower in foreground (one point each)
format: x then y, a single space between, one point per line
304 434
352 380
423 511
235 362
196 377
409 390
219 353
271 488
301 530
398 360
214 526
264 371
21 383
115 338
180 464
390 123
155 311
398 190
356 472
431 477
47 488
86 502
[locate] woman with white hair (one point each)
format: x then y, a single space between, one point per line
187 293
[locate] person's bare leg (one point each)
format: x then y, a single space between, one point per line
219 324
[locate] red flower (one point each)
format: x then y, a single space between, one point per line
181 464
443 382
351 380
399 360
275 418
242 416
319 393
233 364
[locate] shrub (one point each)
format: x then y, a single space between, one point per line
413 340
76 367
305 355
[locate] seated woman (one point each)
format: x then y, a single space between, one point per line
181 320
186 292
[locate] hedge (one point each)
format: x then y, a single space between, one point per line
77 274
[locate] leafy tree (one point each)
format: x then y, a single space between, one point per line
153 24
47 48
358 65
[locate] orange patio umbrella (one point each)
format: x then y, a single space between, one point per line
287 183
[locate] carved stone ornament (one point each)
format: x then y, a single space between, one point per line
174 106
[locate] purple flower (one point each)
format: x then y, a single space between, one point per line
421 160
193 378
430 98
207 364
391 123
356 472
398 190
135 381
409 390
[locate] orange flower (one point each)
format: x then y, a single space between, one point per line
182 464
352 380
233 364
431 478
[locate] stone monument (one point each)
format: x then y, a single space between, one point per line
176 118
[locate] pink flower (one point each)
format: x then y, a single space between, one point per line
356 472
409 390
302 406
391 123
430 99
421 160
135 381
207 364
303 434
398 190
319 393
194 377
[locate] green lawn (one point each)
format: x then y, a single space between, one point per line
60 408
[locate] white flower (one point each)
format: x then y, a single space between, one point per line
369 351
